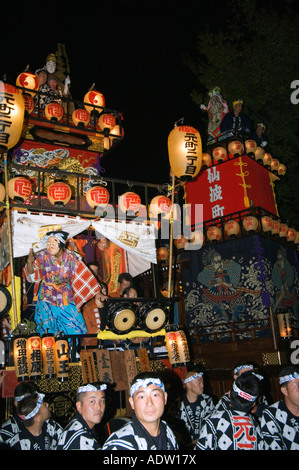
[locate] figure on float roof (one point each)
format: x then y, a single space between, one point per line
217 108
54 85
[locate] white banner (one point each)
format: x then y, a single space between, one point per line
29 228
138 239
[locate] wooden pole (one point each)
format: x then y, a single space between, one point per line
171 235
14 303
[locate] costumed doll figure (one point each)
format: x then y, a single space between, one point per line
217 108
63 283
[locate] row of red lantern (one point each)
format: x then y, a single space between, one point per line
236 147
54 111
59 194
251 224
35 356
232 229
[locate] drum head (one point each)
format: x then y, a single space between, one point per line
122 318
152 318
5 302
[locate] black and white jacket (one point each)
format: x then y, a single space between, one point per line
133 436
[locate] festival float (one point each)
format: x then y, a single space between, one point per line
226 286
52 148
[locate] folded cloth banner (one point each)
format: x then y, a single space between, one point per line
138 239
28 229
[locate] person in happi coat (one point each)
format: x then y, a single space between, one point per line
80 433
13 424
262 400
280 421
195 405
234 427
65 285
146 431
38 431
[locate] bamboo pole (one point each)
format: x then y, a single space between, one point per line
171 235
14 303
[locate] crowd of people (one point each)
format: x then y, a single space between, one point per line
241 420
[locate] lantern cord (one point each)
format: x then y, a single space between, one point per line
10 246
171 235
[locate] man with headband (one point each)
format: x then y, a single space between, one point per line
146 431
195 405
235 120
80 433
66 284
37 430
234 427
261 402
12 426
280 421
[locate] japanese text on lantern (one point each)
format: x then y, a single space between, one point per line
191 145
7 103
243 432
23 187
215 192
59 191
21 362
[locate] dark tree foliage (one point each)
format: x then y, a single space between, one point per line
252 53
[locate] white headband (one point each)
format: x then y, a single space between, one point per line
36 409
242 394
243 366
91 388
287 378
21 397
192 377
144 383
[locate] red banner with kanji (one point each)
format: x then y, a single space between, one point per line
231 187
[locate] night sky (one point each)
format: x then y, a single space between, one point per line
132 51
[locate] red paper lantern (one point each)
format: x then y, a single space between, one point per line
250 146
259 154
11 116
81 117
93 101
206 160
2 192
267 159
54 111
282 169
250 223
232 228
29 81
97 196
106 121
185 152
19 188
283 230
267 223
159 205
59 193
236 148
219 154
129 201
275 228
214 234
29 103
274 165
296 241
291 235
